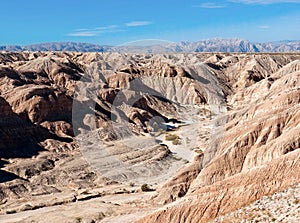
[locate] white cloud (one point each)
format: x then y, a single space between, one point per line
264 27
210 5
95 31
82 34
138 23
265 2
80 30
107 27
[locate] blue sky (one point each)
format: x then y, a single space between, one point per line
115 22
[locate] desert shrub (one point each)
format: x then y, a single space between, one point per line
176 142
11 212
78 219
146 188
199 151
171 137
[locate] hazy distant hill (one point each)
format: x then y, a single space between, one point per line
209 45
58 46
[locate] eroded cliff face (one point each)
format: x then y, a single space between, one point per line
258 153
234 119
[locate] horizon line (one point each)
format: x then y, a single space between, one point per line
153 39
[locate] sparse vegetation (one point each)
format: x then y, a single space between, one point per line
85 192
174 138
146 188
11 212
171 137
176 142
199 151
78 219
282 205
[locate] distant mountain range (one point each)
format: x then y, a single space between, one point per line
209 45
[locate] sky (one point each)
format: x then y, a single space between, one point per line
114 22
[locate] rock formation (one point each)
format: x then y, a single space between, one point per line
209 133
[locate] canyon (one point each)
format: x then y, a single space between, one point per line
144 137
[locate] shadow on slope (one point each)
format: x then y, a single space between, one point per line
19 138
